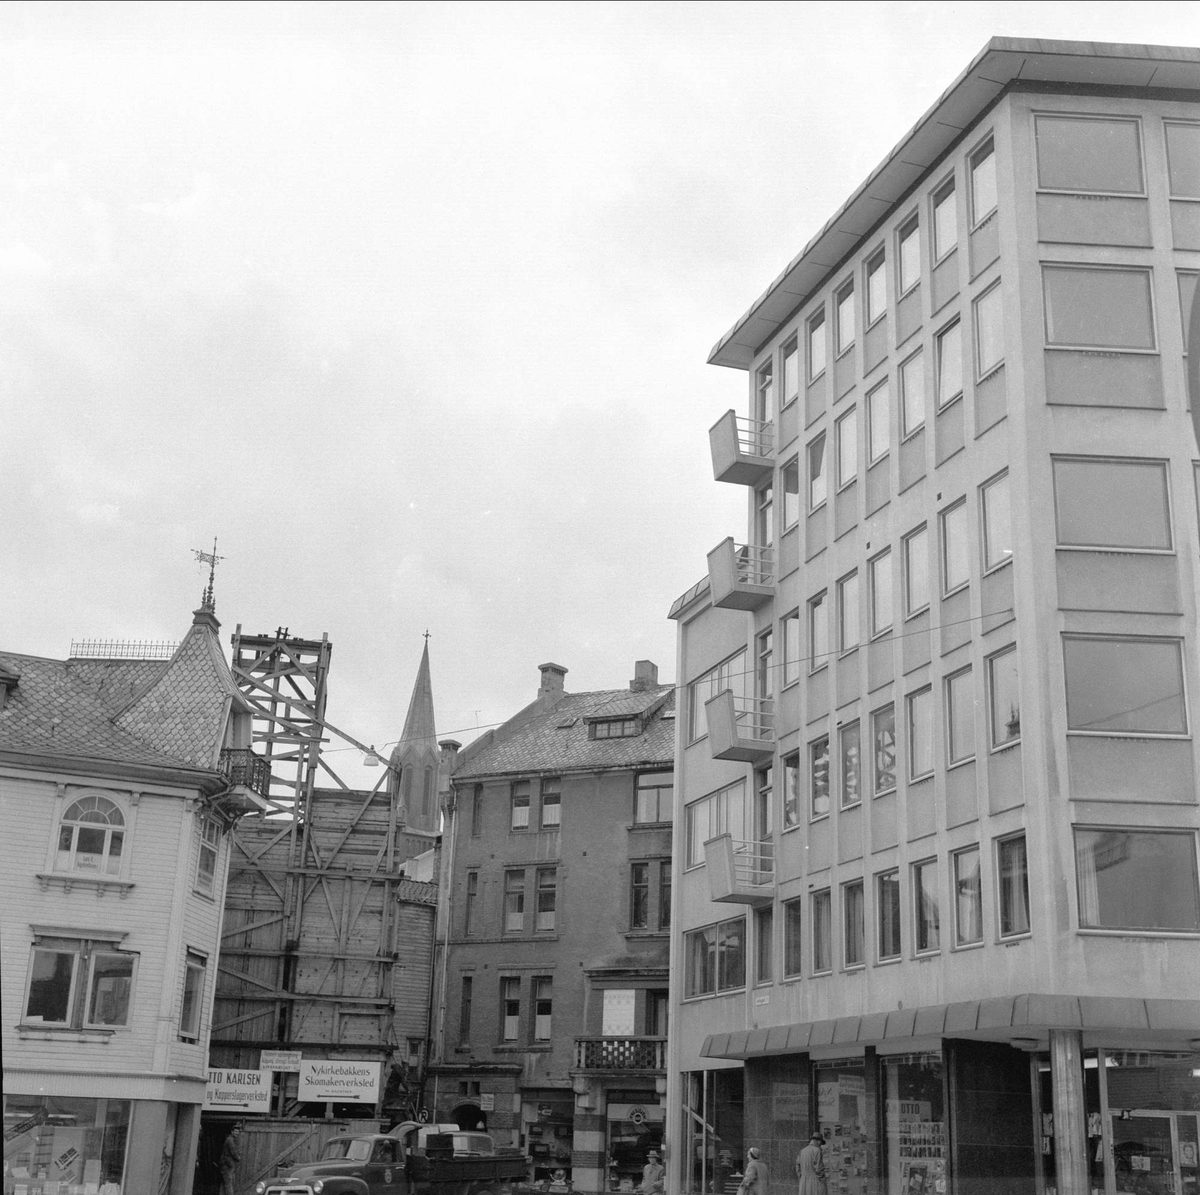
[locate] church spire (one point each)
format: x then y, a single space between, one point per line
415 757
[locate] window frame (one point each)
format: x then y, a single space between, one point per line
89 801
818 632
764 664
1170 122
848 476
876 715
465 1000
546 788
790 470
792 651
821 905
470 901
719 967
874 421
911 708
913 609
915 360
85 949
854 925
975 898
657 788
510 1009
790 793
1136 732
764 943
793 938
843 301
1000 881
764 392
477 811
814 789
927 930
518 800
945 191
876 628
195 963
986 523
945 398
992 293
891 908
1147 272
1094 118
1164 470
964 674
545 912
874 268
791 348
844 736
208 832
729 673
715 800
990 667
956 510
985 149
815 332
849 613
542 992
910 227
815 453
514 900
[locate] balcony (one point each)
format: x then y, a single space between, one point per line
244 769
740 872
741 728
609 1054
741 576
741 449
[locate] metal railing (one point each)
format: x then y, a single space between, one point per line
620 1053
121 649
241 766
755 718
754 436
755 565
753 863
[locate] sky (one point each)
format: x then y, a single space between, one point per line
409 305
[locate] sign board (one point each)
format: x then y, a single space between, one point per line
280 1060
339 1080
242 1091
487 1101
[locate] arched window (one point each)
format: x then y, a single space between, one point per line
427 792
90 837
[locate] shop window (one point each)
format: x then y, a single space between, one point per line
764 394
818 480
853 923
79 983
519 798
514 902
1004 698
818 777
1124 686
793 937
791 492
914 1090
956 552
195 969
816 345
883 747
846 1124
1137 880
926 913
968 898
879 572
920 734
912 394
997 522
547 898
81 1141
983 183
850 753
845 317
764 927
543 1007
91 837
551 802
470 902
1089 155
791 791
722 812
209 830
818 632
908 246
1094 307
715 958
1109 503
791 648
654 797
989 331
1012 873
729 674
846 430
916 571
879 422
887 897
510 1008
464 1010
1183 159
947 347
876 288
791 372
945 221
847 595
822 931
960 716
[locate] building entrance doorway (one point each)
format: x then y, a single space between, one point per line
1155 1153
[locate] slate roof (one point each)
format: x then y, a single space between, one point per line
557 739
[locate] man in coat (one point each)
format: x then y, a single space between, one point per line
810 1167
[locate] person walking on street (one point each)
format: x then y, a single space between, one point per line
652 1175
810 1167
231 1155
754 1178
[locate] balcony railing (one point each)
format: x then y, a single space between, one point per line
741 576
741 728
620 1053
740 871
741 449
242 767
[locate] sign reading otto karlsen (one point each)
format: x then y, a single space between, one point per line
242 1091
339 1080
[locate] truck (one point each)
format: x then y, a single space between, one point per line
412 1159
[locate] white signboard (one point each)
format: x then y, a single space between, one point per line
487 1101
280 1060
339 1080
618 1013
243 1091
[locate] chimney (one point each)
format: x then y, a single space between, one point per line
552 681
449 753
645 676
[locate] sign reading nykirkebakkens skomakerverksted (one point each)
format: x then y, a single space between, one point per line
339 1080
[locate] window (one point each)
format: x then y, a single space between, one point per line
764 927
791 791
968 903
510 1008
1012 868
876 289
471 902
822 931
210 849
850 753
729 674
1004 698
997 522
793 937
764 680
1124 686
654 797
887 891
846 431
945 221
1101 503
847 591
477 811
714 958
948 363
90 837
983 182
816 345
764 516
818 776
916 571
722 812
639 896
764 394
791 648
615 728
1098 308
1081 154
464 1010
520 805
960 717
79 983
791 371
664 894
955 550
1183 159
514 902
1137 879
908 242
764 811
791 492
195 967
817 478
912 394
543 1006
989 332
879 422
547 898
853 923
551 802
883 739
879 575
818 632
920 734
845 317
927 923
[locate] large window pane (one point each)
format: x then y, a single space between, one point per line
1112 504
822 927
989 332
888 896
1013 867
1125 686
920 734
876 289
731 956
791 372
847 448
916 571
960 716
997 523
912 393
764 929
956 570
879 422
845 318
50 986
1004 698
948 361
853 923
1137 879
968 893
927 916
945 221
983 182
1078 154
793 918
816 345
883 740
818 776
910 255
1098 308
850 751
1183 159
111 983
881 592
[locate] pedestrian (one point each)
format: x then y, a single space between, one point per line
754 1178
810 1167
231 1155
652 1175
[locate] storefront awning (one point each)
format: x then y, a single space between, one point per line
999 1018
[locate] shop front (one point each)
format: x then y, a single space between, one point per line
61 1144
634 1123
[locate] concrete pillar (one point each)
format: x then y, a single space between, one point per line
1070 1115
187 1137
147 1145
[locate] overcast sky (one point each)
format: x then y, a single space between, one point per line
409 305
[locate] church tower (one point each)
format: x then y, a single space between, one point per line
414 760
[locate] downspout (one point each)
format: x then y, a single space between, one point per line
452 812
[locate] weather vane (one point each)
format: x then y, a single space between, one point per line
212 560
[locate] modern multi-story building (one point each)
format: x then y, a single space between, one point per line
551 987
121 774
936 879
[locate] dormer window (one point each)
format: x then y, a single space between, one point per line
90 837
616 728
